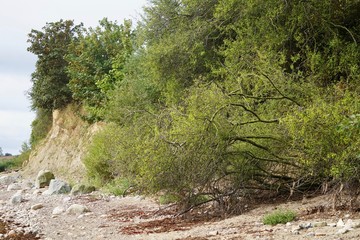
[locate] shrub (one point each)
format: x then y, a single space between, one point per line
279 216
119 186
325 137
40 126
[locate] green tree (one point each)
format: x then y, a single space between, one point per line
50 90
226 96
96 62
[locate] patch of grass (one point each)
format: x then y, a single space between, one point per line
14 162
118 187
168 198
279 216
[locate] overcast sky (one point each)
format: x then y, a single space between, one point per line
17 18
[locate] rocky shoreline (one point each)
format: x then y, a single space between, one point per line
34 212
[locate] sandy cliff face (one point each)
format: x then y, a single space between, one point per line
64 147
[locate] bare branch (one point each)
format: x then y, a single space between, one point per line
254 114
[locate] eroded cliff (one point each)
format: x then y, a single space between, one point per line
64 147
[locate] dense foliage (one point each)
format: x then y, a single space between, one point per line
215 99
50 90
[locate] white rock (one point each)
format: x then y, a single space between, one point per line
343 230
340 223
14 186
37 192
58 211
77 209
6 180
16 199
27 185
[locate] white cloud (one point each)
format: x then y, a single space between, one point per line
14 130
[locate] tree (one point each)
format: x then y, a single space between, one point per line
50 90
96 62
1 152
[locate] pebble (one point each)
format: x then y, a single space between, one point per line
58 210
37 206
320 224
340 223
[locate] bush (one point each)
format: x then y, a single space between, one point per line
40 126
279 216
325 137
119 186
15 162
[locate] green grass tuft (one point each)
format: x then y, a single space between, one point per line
279 216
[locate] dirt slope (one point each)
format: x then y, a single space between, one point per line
64 147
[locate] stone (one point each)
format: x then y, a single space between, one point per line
43 178
295 229
37 192
17 198
11 233
320 224
343 230
305 226
58 210
340 223
14 186
310 234
37 206
6 180
81 189
356 225
77 209
57 187
27 185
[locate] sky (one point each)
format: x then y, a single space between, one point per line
17 18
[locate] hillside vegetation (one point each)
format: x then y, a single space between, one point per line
211 99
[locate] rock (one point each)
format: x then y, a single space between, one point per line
320 224
43 178
340 223
14 186
343 230
27 185
11 233
17 198
77 209
37 206
37 192
6 180
57 187
305 226
356 225
310 234
58 211
81 189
